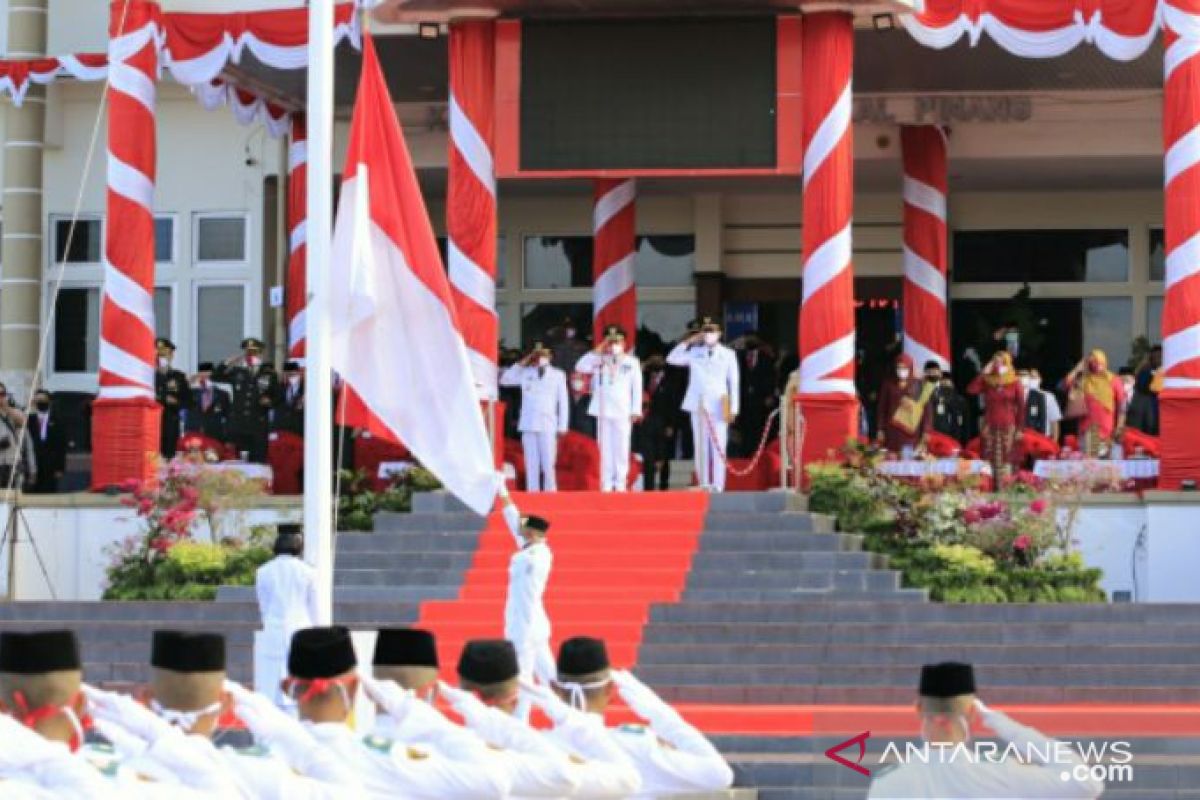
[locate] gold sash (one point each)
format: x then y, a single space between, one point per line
908 415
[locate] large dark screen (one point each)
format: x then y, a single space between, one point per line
648 94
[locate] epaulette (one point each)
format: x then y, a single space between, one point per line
253 751
379 744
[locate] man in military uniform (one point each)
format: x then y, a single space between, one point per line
949 710
255 393
544 415
671 756
173 394
712 398
616 404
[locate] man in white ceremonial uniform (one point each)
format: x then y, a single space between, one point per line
490 690
712 398
526 623
189 691
46 714
323 679
404 685
545 414
949 708
616 404
286 587
670 755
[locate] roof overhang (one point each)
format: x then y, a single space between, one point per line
403 12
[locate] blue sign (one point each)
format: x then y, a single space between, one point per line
740 319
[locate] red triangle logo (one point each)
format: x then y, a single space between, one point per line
834 753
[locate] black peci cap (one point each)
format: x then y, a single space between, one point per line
291 366
405 647
205 366
184 651
582 655
537 523
931 364
39 652
487 661
948 679
321 653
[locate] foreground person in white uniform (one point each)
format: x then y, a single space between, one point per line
713 397
948 708
323 680
526 623
670 755
490 684
545 412
286 587
616 404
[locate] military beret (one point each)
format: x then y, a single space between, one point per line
162 343
251 343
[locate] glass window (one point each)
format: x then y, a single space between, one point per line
565 262
1108 324
162 311
220 321
660 324
220 238
1070 256
77 329
164 239
1154 309
80 246
1158 255
538 318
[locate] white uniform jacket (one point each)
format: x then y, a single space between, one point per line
544 405
712 376
525 617
287 600
616 385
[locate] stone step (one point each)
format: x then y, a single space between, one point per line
903 693
703 561
438 541
829 594
88 612
927 633
841 612
835 653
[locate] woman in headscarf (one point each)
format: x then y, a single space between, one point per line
903 408
1003 413
1104 395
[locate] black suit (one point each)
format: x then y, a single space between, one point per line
50 452
175 396
657 431
758 383
289 413
210 413
255 393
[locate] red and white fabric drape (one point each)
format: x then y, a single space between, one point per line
17 76
1180 398
826 344
614 250
471 197
926 328
297 213
1121 29
127 309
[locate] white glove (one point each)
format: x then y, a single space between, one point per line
982 708
640 697
549 702
395 701
127 713
464 703
270 724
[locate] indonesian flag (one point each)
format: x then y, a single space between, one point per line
397 345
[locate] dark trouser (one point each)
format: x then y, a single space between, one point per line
168 434
46 483
252 442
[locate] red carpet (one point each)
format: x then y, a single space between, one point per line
614 556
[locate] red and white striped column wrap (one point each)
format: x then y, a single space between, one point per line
297 213
471 197
926 327
826 346
1179 402
614 248
126 415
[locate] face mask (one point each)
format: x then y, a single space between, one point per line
1002 369
1012 337
933 378
902 374
293 380
711 338
43 405
543 362
252 361
163 362
617 348
570 333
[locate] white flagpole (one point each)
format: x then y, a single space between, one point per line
318 414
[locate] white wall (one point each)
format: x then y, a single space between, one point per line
1107 536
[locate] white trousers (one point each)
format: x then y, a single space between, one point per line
541 453
534 658
710 467
613 436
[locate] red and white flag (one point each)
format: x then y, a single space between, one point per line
397 344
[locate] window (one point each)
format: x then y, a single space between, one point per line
220 321
1158 255
162 312
77 330
1108 324
164 240
220 238
565 262
79 246
667 321
538 318
1068 256
1154 310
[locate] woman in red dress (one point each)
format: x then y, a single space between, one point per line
1003 412
894 434
1104 395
